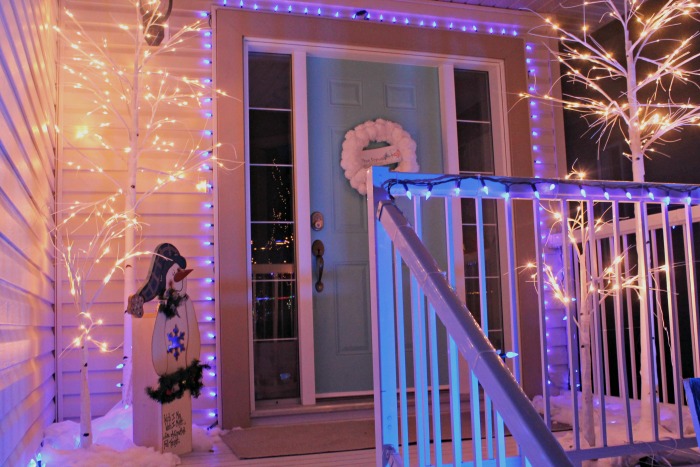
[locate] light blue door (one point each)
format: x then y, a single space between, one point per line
341 95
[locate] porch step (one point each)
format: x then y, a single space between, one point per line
291 413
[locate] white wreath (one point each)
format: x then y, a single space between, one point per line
355 160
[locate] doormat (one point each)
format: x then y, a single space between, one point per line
320 437
307 438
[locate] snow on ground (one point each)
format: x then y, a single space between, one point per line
561 410
112 444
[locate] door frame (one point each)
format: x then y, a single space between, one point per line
237 32
445 66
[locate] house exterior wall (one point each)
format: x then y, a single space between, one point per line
178 213
198 223
27 143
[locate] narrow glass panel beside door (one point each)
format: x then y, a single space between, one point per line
271 214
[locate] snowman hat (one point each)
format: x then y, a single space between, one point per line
163 259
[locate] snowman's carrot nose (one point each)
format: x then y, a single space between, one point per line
181 274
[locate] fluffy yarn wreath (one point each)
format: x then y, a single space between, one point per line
403 150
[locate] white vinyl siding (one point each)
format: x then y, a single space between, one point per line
27 145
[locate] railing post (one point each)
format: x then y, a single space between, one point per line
620 321
673 317
397 243
386 421
692 286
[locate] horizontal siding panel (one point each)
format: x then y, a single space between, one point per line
16 196
77 182
192 248
113 315
204 417
189 117
33 65
100 404
100 382
174 230
18 344
24 274
99 361
24 237
111 335
28 94
13 170
118 138
195 289
44 50
26 449
19 133
159 202
19 380
18 308
17 423
19 139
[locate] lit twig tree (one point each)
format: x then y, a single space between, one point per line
643 91
594 287
81 264
132 95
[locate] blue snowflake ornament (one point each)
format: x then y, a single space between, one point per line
177 342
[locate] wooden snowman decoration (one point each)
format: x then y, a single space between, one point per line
175 344
175 348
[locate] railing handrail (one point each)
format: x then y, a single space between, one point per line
523 421
678 205
484 186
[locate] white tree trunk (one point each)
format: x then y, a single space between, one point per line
129 236
637 157
587 408
85 411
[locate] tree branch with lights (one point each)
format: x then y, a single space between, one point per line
642 91
130 95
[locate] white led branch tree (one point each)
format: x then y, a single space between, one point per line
118 73
643 90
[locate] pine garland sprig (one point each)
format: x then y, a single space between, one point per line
169 306
172 386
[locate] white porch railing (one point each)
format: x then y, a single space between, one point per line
495 401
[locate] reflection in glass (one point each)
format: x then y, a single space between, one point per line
272 243
270 137
274 303
473 104
270 80
474 139
271 194
475 153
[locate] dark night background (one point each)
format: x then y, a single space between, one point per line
680 164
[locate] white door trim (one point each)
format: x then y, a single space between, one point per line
302 214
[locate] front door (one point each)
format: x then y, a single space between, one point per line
341 95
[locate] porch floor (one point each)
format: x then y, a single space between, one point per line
222 456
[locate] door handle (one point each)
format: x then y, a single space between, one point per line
318 249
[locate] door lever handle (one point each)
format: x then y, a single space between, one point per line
318 249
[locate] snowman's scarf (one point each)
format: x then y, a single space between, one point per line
172 300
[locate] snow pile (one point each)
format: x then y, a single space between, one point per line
112 443
561 411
